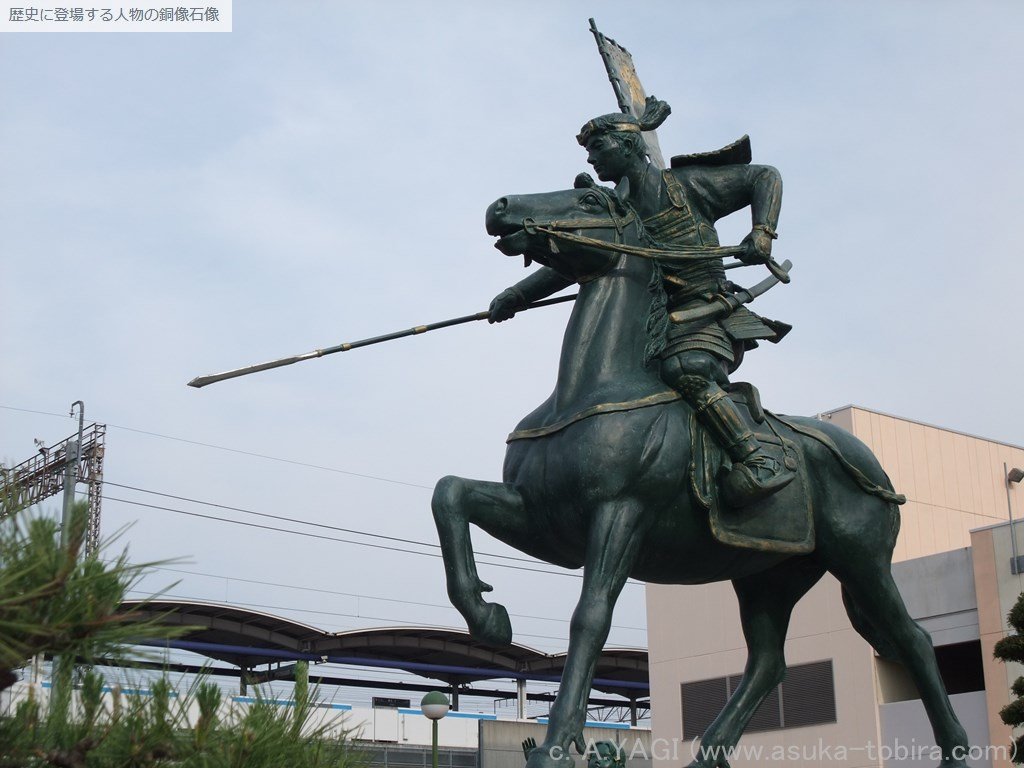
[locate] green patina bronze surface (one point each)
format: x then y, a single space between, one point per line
605 754
677 491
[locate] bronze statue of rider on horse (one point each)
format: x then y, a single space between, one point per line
679 207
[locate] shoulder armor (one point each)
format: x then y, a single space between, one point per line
737 153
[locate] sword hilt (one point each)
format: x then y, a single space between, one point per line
776 269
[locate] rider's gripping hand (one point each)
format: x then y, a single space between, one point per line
505 305
758 244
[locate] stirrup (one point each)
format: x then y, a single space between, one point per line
741 487
762 460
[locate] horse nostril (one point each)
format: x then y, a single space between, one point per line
494 219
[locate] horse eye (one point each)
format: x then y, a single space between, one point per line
590 199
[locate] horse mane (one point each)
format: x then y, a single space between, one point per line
657 314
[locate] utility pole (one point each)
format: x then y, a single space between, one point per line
62 679
72 456
51 472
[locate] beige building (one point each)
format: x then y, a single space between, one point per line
841 705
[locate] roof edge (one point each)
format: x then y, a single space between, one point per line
920 423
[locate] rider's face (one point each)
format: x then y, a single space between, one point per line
607 154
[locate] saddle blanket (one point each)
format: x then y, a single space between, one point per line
782 522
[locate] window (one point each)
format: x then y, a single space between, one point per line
702 701
808 695
960 665
805 697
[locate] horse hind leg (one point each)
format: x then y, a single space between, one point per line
862 624
877 612
766 603
499 510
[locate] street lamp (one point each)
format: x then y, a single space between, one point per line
435 706
1014 475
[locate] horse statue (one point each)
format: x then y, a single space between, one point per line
596 478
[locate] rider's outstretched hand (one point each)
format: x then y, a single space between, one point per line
505 305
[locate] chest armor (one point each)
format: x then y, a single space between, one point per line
676 224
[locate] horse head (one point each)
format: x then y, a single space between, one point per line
573 231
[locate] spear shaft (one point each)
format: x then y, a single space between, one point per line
213 378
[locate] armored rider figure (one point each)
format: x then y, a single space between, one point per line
680 206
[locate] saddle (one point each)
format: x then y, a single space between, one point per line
782 522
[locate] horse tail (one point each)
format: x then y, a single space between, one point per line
894 511
884 490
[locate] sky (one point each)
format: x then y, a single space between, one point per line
175 205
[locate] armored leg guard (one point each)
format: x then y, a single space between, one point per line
754 474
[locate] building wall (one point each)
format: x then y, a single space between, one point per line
998 590
940 593
954 483
694 633
907 736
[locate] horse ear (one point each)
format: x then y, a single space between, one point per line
621 193
620 206
622 188
584 181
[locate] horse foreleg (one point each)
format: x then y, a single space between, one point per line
766 604
498 509
612 545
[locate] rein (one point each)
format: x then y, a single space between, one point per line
678 253
566 231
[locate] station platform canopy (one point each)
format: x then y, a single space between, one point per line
246 638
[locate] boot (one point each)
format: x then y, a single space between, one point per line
754 474
757 476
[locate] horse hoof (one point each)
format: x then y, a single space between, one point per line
494 626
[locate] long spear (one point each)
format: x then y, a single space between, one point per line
213 378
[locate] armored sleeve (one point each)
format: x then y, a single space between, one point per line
726 189
540 284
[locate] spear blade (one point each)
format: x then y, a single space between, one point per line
201 381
